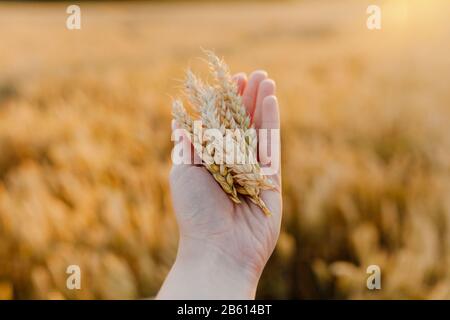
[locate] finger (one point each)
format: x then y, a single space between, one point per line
241 80
251 90
269 139
270 113
266 88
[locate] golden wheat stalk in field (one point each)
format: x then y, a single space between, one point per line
233 164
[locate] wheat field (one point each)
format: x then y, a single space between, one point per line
85 143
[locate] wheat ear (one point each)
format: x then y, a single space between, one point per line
204 99
247 176
220 107
232 101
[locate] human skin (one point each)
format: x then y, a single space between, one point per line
223 246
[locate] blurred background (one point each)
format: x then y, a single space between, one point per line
85 143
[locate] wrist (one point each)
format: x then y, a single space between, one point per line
204 271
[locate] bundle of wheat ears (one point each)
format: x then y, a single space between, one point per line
232 160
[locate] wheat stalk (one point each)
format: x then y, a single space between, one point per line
220 107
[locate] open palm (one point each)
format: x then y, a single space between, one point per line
204 212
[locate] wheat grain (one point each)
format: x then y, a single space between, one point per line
220 107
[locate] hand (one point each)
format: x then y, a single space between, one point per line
223 246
